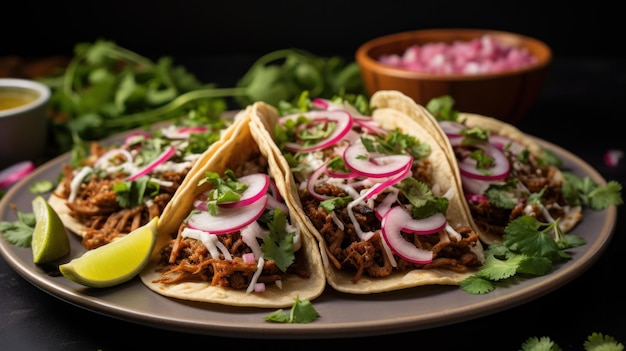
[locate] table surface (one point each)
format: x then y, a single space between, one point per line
578 110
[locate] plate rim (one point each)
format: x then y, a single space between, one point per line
480 305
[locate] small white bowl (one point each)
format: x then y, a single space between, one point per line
23 125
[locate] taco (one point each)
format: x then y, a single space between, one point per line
119 187
504 173
379 195
229 237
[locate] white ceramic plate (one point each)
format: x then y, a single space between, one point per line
342 315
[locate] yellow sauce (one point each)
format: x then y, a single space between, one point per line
12 98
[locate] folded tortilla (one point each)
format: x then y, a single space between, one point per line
446 182
489 232
239 145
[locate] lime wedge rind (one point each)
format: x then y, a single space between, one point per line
116 262
50 241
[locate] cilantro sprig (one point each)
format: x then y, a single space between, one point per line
106 89
528 248
302 311
594 342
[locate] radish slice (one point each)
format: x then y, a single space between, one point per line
227 220
392 224
359 160
258 184
341 118
164 156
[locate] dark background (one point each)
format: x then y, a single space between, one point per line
578 110
201 28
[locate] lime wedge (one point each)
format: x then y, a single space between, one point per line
116 262
50 240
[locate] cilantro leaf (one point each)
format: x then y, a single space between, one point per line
527 248
302 311
477 285
592 194
278 245
19 232
540 344
599 342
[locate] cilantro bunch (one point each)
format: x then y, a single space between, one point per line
529 248
107 89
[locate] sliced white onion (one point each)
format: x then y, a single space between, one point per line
227 220
343 122
257 183
392 224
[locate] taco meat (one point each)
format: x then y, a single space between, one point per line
186 259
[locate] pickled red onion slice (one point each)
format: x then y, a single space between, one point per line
392 224
468 166
164 156
452 128
359 160
15 172
343 122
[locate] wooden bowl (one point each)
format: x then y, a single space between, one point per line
506 95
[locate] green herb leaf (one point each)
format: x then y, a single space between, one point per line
19 232
278 245
302 311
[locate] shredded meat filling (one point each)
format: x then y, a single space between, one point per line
185 259
533 179
97 208
368 258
